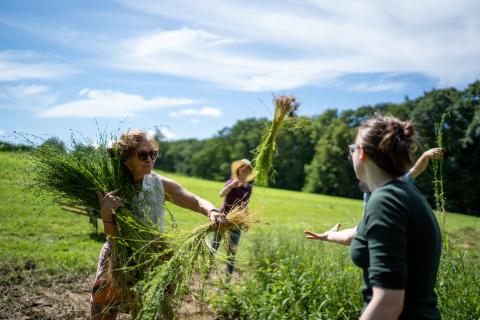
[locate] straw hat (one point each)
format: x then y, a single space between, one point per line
242 163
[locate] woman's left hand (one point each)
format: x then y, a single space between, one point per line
217 217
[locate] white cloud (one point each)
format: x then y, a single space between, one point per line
112 104
2 132
210 57
26 96
22 65
205 111
288 44
22 91
377 87
271 45
167 133
174 41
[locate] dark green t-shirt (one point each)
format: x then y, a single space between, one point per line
398 246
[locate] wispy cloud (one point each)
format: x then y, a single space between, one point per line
26 96
25 91
378 87
22 65
205 111
270 45
285 45
112 104
210 57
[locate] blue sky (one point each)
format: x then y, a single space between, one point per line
192 67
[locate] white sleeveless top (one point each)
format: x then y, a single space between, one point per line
150 202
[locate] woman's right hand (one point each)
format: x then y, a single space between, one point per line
108 203
217 217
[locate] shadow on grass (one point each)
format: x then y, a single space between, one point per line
467 238
98 236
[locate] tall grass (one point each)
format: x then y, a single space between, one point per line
458 279
458 288
438 179
293 279
297 279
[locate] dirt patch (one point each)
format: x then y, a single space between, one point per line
67 298
467 238
55 298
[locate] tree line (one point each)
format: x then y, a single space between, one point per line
311 152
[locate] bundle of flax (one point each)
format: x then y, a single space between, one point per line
73 176
163 290
285 106
157 265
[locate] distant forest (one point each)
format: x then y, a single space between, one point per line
312 156
311 153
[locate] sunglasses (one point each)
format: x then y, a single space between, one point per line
145 155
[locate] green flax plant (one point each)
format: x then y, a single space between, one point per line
151 269
73 175
163 290
285 106
438 179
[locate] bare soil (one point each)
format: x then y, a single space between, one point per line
23 297
55 298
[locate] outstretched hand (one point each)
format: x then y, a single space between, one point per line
322 236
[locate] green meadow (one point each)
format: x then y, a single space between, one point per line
273 256
34 228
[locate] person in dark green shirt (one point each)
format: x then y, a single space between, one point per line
346 236
398 241
398 247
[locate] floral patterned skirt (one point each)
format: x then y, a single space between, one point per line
105 296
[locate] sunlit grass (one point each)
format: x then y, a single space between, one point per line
60 242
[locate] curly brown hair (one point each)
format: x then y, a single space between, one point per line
128 144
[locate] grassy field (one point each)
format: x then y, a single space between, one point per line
34 231
33 228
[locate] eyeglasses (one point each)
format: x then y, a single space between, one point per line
144 155
352 148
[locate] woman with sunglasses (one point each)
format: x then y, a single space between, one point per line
138 153
398 241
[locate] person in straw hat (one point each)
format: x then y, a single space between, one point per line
237 191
